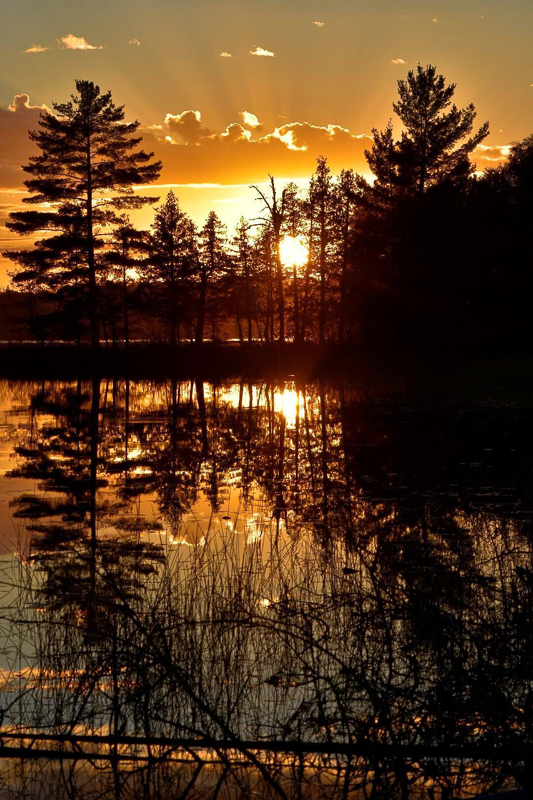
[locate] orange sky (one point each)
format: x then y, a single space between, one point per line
228 91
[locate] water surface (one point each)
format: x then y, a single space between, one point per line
329 586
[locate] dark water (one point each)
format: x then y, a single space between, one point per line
278 590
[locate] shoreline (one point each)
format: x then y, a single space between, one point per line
300 363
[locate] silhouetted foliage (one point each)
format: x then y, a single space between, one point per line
87 153
172 262
429 253
431 149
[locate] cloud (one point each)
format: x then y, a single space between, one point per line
21 103
196 156
287 137
192 153
435 19
302 137
135 41
15 122
187 126
235 133
260 51
71 42
250 120
398 61
224 54
318 24
486 155
37 48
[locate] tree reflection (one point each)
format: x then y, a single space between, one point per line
343 577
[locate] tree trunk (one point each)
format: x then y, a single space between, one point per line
173 321
344 269
281 297
322 313
125 301
296 309
248 299
269 331
93 310
307 278
201 307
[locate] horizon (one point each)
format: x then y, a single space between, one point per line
271 93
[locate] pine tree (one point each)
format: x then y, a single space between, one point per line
346 195
308 207
244 259
128 249
384 160
321 191
173 258
55 267
88 153
432 145
264 252
212 264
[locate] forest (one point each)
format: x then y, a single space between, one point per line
430 252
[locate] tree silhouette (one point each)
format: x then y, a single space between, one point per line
321 191
264 256
127 253
244 258
275 208
172 259
87 153
211 266
346 197
432 147
55 267
384 160
293 226
420 248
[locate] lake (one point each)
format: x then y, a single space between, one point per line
265 589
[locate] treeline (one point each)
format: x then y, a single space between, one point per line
429 251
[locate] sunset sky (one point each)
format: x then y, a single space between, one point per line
229 90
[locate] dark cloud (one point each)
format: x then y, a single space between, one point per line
186 126
15 122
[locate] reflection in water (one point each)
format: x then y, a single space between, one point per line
291 591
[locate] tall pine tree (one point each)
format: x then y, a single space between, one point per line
434 130
173 260
211 266
87 167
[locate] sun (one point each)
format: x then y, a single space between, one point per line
293 251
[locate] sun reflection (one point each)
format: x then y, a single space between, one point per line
287 403
293 251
